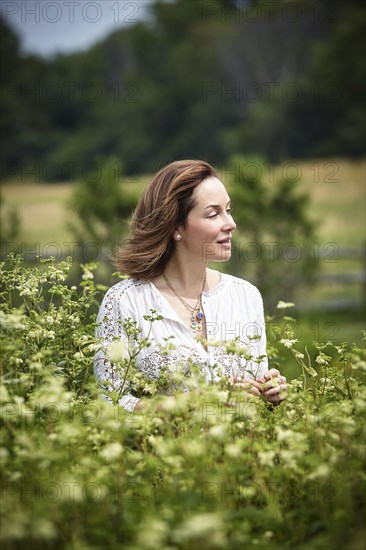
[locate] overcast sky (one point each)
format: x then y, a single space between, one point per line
48 27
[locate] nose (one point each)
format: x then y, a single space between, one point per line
229 223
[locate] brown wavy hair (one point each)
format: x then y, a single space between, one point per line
162 208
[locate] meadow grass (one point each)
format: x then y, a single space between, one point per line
336 188
42 210
337 199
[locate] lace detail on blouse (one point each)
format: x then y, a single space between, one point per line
176 359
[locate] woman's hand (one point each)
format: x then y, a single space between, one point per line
273 386
247 384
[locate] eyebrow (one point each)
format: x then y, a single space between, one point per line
216 205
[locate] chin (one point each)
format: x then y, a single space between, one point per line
223 257
213 252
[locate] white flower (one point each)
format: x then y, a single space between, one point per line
321 360
93 347
218 431
284 305
12 320
170 404
208 527
112 451
287 342
266 458
88 275
58 275
321 471
194 448
116 351
234 450
298 354
25 291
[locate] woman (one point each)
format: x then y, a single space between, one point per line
182 221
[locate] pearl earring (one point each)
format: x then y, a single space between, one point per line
178 237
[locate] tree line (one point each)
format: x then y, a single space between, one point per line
203 79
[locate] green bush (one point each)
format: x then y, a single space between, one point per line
190 472
102 206
10 225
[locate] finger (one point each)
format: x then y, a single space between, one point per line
252 390
272 383
276 399
280 390
250 387
248 381
276 389
279 379
271 373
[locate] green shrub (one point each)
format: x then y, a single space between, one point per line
274 232
190 472
102 205
10 226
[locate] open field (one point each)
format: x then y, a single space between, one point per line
42 210
337 202
336 188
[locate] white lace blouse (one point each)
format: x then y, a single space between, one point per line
233 310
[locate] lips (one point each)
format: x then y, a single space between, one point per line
225 244
225 241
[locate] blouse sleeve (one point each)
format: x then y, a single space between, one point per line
109 328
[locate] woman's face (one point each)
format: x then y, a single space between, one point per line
209 226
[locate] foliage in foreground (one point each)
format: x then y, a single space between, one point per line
190 472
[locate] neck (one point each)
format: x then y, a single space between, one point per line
187 278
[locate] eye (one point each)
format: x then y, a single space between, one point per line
229 210
213 215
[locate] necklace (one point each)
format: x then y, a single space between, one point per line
196 312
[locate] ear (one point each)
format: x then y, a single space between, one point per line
177 233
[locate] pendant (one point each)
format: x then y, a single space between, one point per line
199 326
196 322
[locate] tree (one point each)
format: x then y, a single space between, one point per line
272 243
102 205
